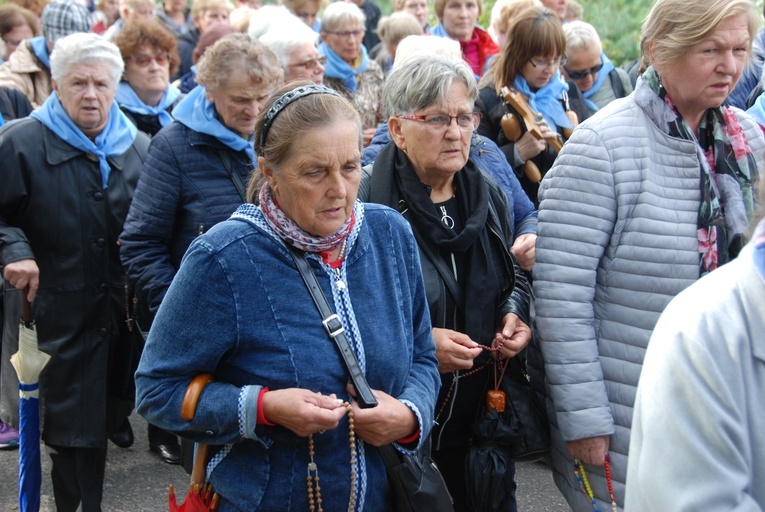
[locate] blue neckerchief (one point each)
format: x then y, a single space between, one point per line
757 111
116 137
199 114
546 100
129 100
2 121
336 67
608 66
40 49
440 31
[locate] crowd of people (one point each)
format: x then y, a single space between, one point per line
463 196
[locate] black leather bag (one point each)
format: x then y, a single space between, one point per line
415 480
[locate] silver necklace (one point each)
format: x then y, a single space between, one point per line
446 220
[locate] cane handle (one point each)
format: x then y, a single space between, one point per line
191 397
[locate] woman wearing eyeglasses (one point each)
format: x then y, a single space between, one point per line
591 69
529 64
294 44
478 297
349 70
145 94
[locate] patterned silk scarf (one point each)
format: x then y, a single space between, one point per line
294 234
728 177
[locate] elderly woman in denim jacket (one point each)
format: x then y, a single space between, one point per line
238 309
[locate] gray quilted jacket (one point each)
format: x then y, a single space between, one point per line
617 241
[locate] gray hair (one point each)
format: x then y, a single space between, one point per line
338 14
287 36
85 48
580 35
268 16
424 80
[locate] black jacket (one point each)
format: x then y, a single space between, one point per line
493 107
54 209
462 407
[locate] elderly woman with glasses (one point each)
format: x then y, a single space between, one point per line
529 67
349 70
591 69
295 45
478 297
145 94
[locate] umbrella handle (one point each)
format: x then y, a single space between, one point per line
26 306
191 397
188 410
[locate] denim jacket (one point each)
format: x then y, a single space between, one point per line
239 309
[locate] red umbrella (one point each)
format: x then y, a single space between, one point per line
201 497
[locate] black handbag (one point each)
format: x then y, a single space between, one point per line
415 480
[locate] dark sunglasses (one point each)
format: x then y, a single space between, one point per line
576 75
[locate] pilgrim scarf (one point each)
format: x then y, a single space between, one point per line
336 67
199 114
547 100
608 66
129 100
728 174
116 137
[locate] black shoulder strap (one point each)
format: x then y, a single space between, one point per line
233 174
334 328
616 84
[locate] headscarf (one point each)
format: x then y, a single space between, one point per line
727 177
547 100
116 137
336 67
198 113
127 98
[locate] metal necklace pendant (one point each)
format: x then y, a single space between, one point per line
446 220
340 284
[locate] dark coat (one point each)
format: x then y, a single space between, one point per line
186 44
54 209
184 190
454 428
493 107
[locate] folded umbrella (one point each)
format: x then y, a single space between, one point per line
29 361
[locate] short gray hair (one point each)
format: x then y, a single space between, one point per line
287 36
338 14
85 48
580 35
424 80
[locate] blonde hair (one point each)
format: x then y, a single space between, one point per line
392 29
502 15
200 7
440 5
672 27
